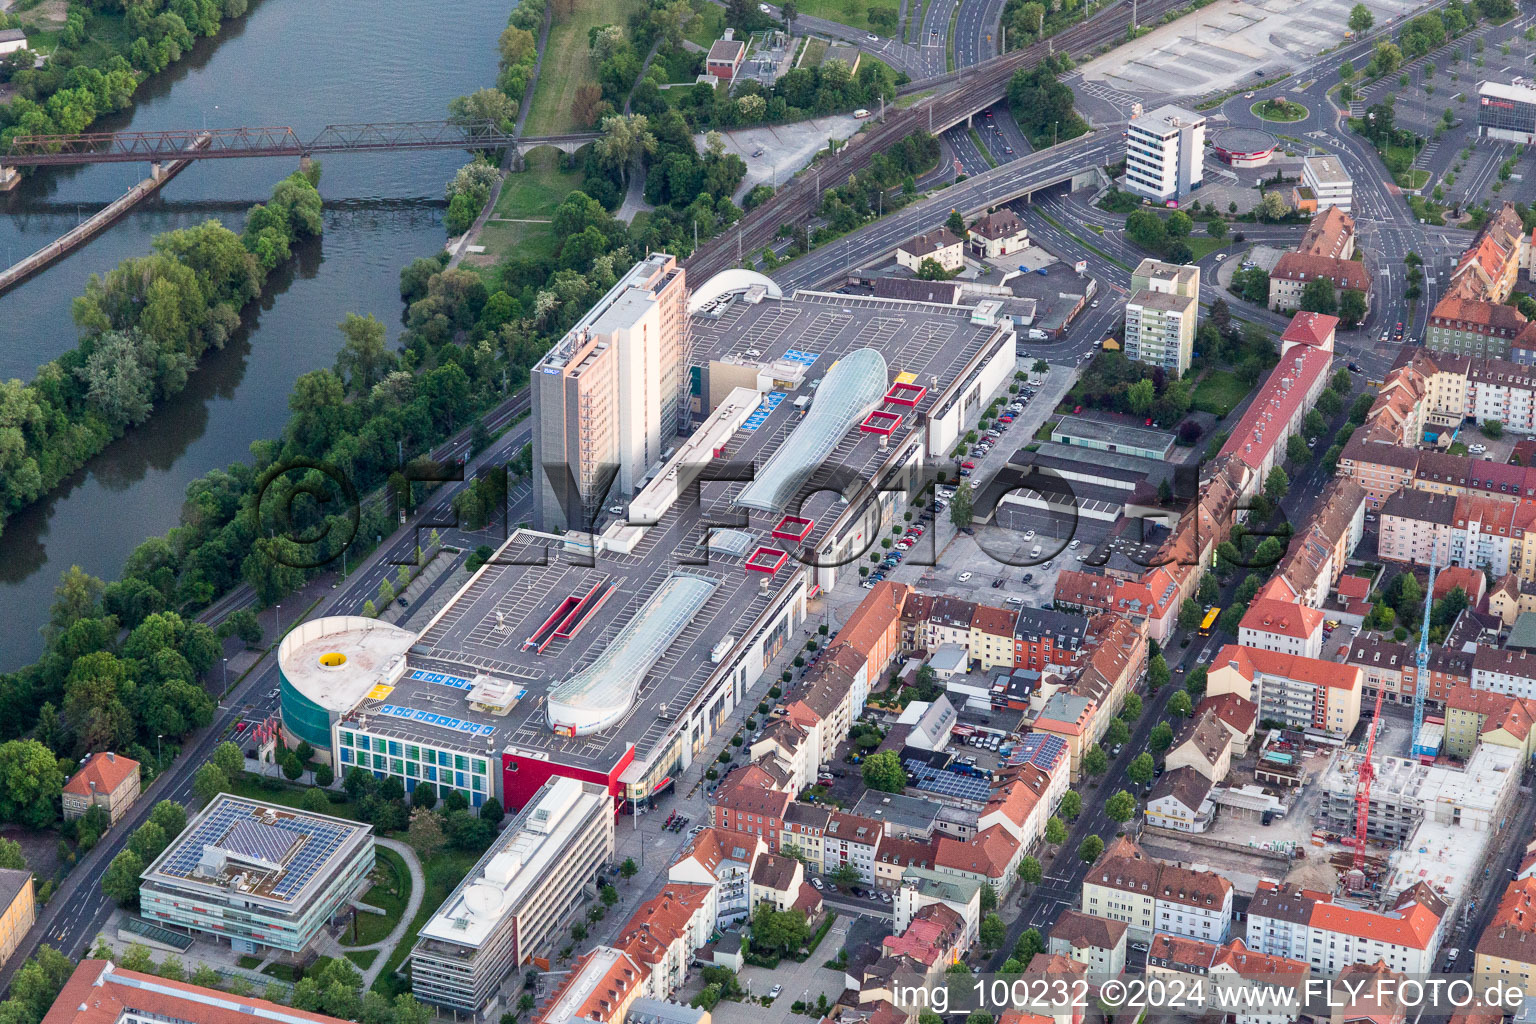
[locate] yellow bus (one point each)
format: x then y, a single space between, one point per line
1209 621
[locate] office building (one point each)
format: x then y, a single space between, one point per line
1162 314
264 879
99 992
1164 152
514 903
1330 183
1507 112
605 397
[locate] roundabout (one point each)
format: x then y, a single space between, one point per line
1279 110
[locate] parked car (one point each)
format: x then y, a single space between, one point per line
963 577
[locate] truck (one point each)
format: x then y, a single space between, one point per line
1035 334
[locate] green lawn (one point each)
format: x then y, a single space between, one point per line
815 51
853 13
707 27
363 958
443 872
536 192
1203 245
1219 392
391 892
1261 109
568 65
288 795
510 238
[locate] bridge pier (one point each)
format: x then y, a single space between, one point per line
306 164
157 171
10 177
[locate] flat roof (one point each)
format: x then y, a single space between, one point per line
1328 170
1167 118
1521 91
240 848
1167 302
1112 433
1243 140
482 630
525 853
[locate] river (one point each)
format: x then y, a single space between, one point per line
300 63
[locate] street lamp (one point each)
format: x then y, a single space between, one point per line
157 745
226 673
279 618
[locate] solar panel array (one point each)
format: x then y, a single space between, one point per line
254 840
441 721
457 682
307 843
1040 749
932 780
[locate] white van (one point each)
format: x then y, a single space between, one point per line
861 113
1034 552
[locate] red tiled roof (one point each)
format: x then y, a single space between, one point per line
107 770
1316 671
1295 266
1356 588
1282 618
989 854
1277 404
99 993
1310 328
1239 713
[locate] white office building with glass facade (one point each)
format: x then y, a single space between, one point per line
1165 153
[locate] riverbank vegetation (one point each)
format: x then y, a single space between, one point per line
97 57
145 325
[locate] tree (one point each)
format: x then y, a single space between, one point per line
779 931
425 834
1095 761
1141 769
1385 59
1352 307
1194 683
1120 807
627 869
1030 872
930 270
1189 614
30 783
1271 207
209 782
120 882
1089 849
1130 708
845 876
961 511
1140 395
1118 733
229 759
1317 297
170 816
484 105
1179 704
626 138
1161 737
1055 831
1360 21
1071 805
1276 485
1157 672
1030 945
315 801
11 855
324 776
1493 429
993 931
956 225
1296 450
363 358
884 772
291 765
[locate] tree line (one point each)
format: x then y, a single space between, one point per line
102 53
145 325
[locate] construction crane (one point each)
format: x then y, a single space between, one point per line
1363 786
1422 683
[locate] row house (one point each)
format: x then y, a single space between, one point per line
1329 936
1151 896
1097 943
1484 716
663 933
991 640
1045 638
722 861
1304 693
1511 597
1276 412
1204 745
1380 467
1276 984
1505 671
1271 624
1022 805
1319 551
1489 266
750 801
851 839
1459 530
992 858
803 829
896 857
1153 600
1507 947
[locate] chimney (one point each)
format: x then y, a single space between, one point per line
111 757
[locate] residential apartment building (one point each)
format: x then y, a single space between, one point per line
517 899
1319 551
1203 745
940 245
1485 716
991 858
1151 896
1165 153
1473 327
850 839
1309 694
1098 943
1510 672
1291 274
1277 411
991 640
1153 600
1506 950
1330 183
725 862
1331 233
1180 800
663 933
18 909
1162 314
1276 984
1281 626
1023 804
921 887
750 801
1331 934
106 780
100 992
605 397
998 233
1044 637
1490 266
600 987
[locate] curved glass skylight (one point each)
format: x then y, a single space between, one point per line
600 694
847 394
